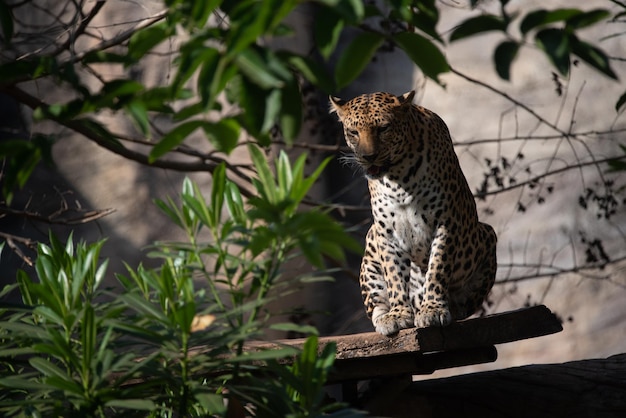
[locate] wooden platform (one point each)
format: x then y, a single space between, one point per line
424 350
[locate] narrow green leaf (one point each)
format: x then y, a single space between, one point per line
256 69
47 368
218 185
210 77
201 10
144 40
138 404
585 19
476 25
290 116
592 56
88 339
193 54
234 203
253 100
264 355
174 137
503 57
291 327
544 17
620 102
311 70
212 402
6 21
426 18
327 28
267 185
356 56
273 101
18 382
423 53
351 10
555 44
139 114
121 87
223 135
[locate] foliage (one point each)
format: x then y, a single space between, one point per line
225 59
171 341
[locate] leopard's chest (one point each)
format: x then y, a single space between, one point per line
401 220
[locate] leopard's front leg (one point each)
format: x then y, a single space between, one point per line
434 309
383 286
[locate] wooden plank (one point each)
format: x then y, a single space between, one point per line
408 364
471 333
424 350
493 329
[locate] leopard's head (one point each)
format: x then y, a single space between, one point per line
374 128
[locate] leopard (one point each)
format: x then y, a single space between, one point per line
428 260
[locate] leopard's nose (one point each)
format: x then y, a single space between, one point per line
370 158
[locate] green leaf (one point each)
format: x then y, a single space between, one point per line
264 355
352 11
312 70
138 112
210 76
426 18
620 102
423 53
47 368
174 137
266 187
6 21
544 17
211 402
252 99
217 195
223 135
144 40
262 68
138 404
476 25
256 69
503 57
290 117
356 56
235 204
327 28
19 382
585 19
555 44
291 327
592 56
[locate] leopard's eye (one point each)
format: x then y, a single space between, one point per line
353 132
383 128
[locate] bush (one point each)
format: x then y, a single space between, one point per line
171 341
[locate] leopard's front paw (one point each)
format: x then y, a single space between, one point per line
429 316
391 322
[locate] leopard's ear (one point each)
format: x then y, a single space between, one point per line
407 98
336 105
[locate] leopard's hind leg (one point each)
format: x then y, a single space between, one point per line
466 300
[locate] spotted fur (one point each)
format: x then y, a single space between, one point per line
428 260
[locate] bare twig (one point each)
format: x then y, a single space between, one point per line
12 241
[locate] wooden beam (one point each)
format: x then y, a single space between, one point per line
424 350
476 332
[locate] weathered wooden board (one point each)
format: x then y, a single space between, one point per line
476 332
424 350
